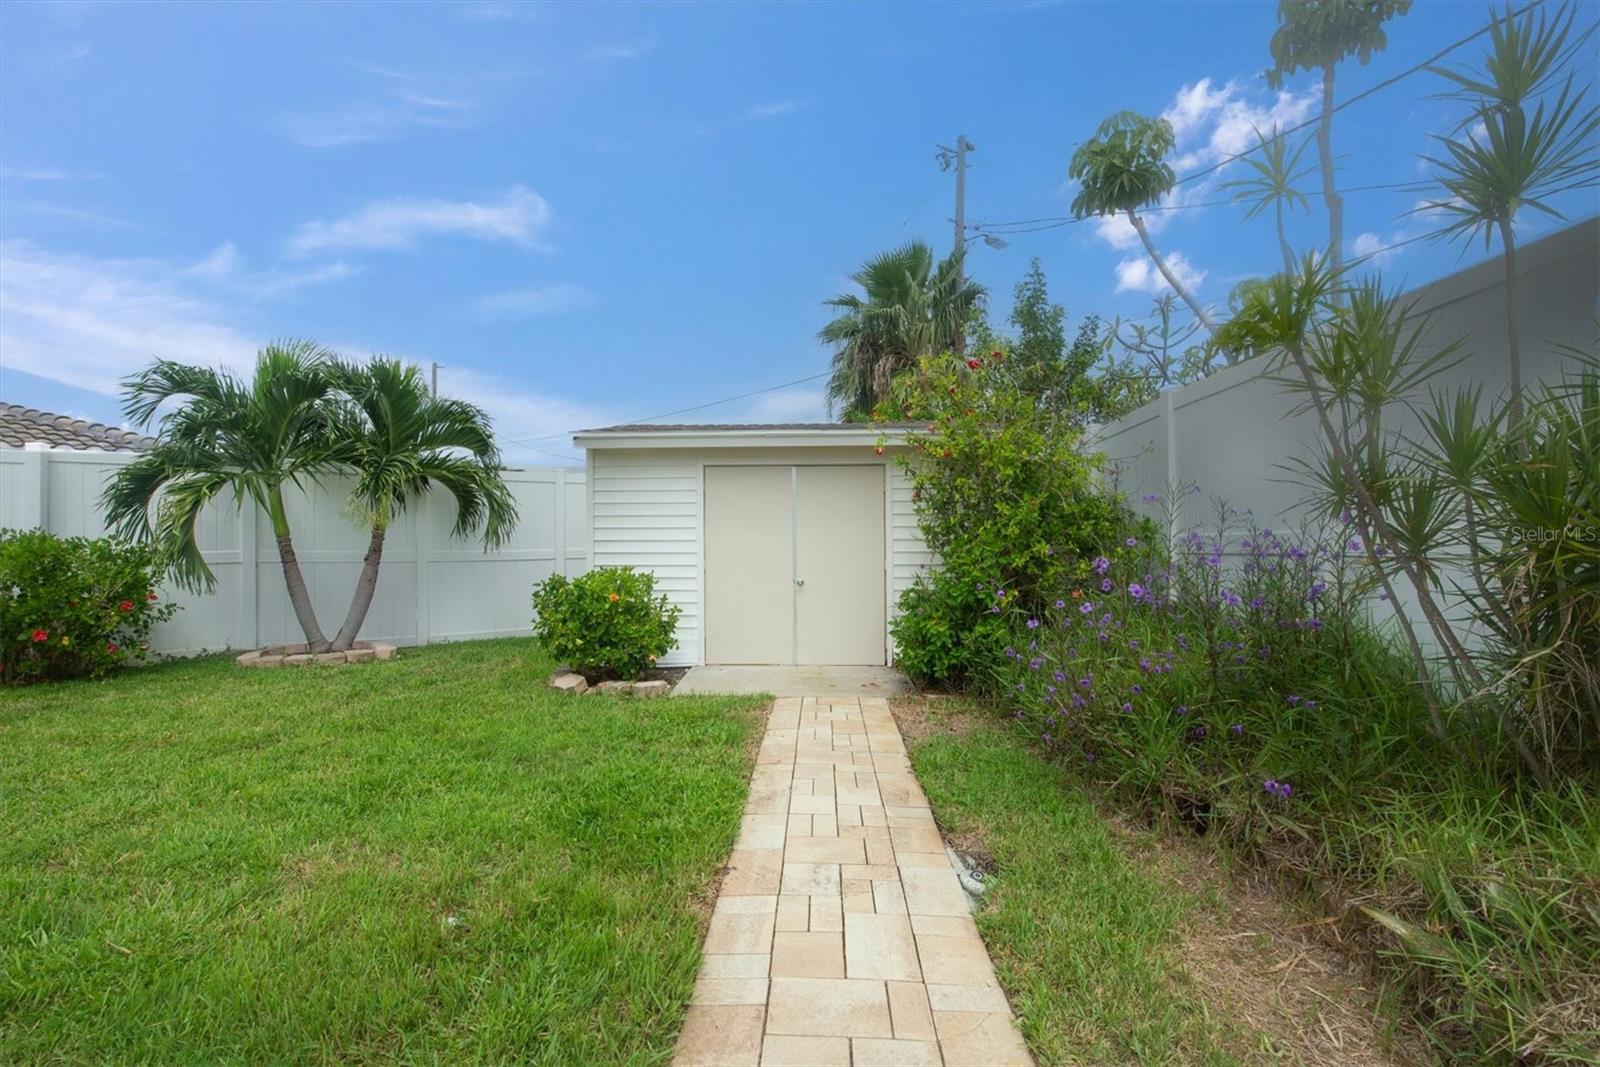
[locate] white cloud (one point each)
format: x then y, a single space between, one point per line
774 109
44 174
621 50
90 322
1137 274
529 426
1211 123
554 299
518 218
369 121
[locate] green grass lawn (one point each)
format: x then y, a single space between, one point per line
435 859
1085 939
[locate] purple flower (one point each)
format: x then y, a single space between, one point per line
1297 553
1237 729
1136 590
1035 663
1105 585
1033 624
1152 498
1136 689
1291 700
1126 707
1230 598
1061 676
1085 682
1317 589
1060 604
1086 608
1131 542
1344 516
1182 709
1101 564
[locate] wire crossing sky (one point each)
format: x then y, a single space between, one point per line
589 212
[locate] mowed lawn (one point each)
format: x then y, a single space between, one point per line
435 859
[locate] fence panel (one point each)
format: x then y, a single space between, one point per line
431 587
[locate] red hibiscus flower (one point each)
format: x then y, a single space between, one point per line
40 635
111 647
973 364
151 595
126 605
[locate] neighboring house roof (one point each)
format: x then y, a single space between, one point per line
746 435
21 426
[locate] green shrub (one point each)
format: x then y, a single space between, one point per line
1008 499
608 622
74 607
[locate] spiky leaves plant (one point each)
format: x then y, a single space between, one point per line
1276 169
226 435
910 306
1318 35
1503 158
401 441
1123 168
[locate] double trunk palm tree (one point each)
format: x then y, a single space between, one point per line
303 417
1122 168
910 306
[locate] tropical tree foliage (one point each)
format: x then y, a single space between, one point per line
302 417
910 306
1318 35
1122 168
1276 169
400 441
248 439
1504 157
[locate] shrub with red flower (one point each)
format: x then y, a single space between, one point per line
74 607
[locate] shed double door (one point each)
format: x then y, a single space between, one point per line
794 564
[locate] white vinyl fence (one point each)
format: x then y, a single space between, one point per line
1236 433
432 587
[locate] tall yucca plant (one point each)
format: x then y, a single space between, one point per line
1530 135
401 441
1276 169
226 435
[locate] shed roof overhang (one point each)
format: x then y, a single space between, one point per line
796 435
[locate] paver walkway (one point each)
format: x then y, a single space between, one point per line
842 935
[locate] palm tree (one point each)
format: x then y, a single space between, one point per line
1276 170
400 440
251 438
1122 168
1317 35
909 307
1515 160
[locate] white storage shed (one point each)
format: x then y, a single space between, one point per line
783 544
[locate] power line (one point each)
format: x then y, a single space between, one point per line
683 411
1363 94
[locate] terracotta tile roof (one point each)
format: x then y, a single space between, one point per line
20 426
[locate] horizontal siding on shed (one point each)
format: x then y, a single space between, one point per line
645 512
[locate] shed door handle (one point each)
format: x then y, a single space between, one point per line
799 583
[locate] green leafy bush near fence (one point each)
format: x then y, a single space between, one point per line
608 622
73 607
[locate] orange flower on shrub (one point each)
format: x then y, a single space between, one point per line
1077 594
613 598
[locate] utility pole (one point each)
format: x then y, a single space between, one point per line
957 157
435 377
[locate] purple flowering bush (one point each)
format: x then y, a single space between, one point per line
1232 671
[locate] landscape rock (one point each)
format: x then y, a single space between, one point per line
569 683
656 688
615 688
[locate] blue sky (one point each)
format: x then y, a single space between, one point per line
592 213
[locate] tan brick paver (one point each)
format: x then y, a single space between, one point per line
841 934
